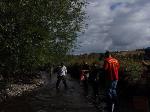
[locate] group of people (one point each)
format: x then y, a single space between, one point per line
110 68
110 71
92 74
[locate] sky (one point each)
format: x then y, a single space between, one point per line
115 25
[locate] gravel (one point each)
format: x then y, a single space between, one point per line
12 90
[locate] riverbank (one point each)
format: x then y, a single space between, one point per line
9 90
49 99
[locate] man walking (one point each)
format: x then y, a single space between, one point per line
94 79
84 75
61 75
111 67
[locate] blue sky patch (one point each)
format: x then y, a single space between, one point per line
114 6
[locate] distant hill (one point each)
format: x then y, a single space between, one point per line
137 54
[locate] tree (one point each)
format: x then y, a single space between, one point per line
33 33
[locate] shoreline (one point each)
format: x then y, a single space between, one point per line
10 90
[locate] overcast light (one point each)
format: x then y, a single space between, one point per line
116 25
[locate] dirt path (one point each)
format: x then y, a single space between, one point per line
48 99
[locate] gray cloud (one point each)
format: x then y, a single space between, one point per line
116 25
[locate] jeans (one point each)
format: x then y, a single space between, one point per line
111 91
112 94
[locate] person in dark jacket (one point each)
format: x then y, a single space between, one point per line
94 79
84 76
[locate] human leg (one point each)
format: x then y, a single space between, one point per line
85 86
58 81
111 94
114 95
64 81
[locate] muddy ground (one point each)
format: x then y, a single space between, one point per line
49 99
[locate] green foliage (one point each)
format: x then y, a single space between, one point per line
35 32
91 58
132 68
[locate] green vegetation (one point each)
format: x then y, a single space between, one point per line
37 32
133 69
130 65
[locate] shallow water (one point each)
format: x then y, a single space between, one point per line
48 99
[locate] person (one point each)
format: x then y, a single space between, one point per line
111 68
94 79
84 75
61 75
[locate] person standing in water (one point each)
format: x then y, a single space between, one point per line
111 68
61 75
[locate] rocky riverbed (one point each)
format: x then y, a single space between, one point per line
49 99
19 89
9 90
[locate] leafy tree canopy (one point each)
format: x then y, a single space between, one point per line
35 32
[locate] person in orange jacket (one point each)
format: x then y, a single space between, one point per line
111 68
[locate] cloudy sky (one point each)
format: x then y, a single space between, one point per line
115 25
